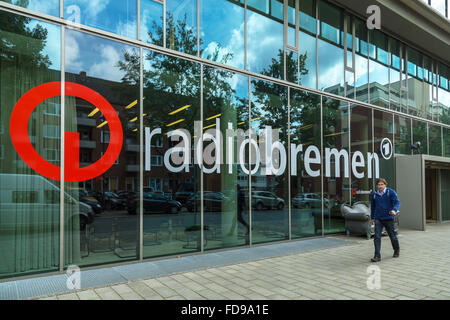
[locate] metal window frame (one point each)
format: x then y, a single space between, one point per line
62 153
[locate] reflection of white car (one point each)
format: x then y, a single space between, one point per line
266 199
35 195
309 200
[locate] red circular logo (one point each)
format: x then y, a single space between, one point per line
72 172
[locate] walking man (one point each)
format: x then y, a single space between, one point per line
384 207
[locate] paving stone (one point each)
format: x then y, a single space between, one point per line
88 295
68 296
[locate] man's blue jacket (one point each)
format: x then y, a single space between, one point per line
382 205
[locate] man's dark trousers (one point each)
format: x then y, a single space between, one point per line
389 225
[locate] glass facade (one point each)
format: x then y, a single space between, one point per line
166 155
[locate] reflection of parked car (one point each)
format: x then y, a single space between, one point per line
266 200
212 201
113 202
95 205
184 192
154 203
309 200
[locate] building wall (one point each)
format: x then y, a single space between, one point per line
231 69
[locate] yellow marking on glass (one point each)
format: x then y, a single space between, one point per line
179 109
212 125
93 112
217 115
175 122
131 105
102 124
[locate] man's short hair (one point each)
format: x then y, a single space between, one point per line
382 180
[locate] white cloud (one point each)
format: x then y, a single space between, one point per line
72 51
107 67
47 6
264 39
127 29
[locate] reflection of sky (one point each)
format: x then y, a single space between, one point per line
222 25
378 73
331 65
150 12
360 70
439 5
119 17
264 39
444 97
98 57
53 43
50 7
308 48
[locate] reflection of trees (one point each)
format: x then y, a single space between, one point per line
16 37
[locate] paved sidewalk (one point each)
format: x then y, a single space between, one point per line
421 272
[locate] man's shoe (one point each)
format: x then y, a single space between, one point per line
396 254
375 259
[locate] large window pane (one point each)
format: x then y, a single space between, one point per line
446 133
383 127
331 55
225 184
308 68
118 17
265 57
331 68
420 135
435 140
50 7
430 106
181 25
269 197
306 194
444 94
361 62
402 137
172 199
110 69
222 32
394 75
336 185
361 147
29 205
379 70
152 22
415 85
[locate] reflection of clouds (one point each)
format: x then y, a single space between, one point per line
331 68
126 29
444 97
90 9
150 12
47 6
264 39
360 70
107 67
222 28
378 73
72 52
99 61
